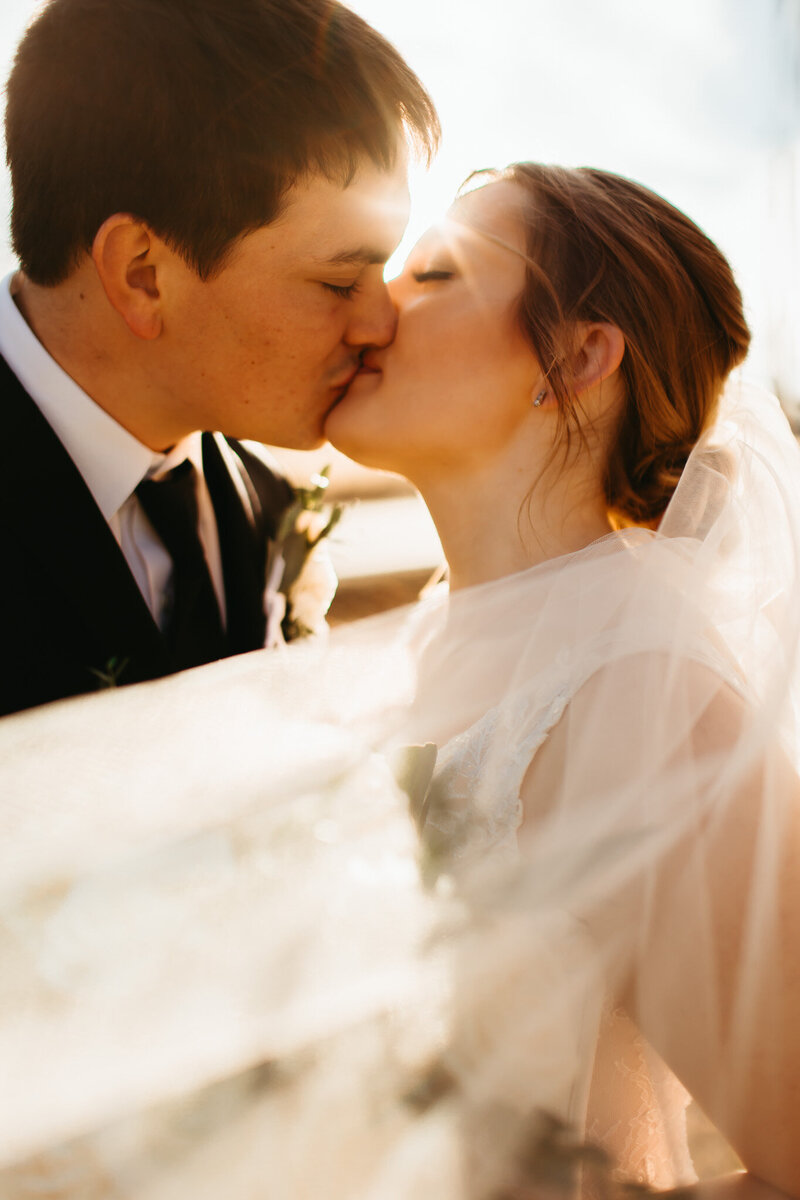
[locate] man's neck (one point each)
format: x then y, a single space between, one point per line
77 327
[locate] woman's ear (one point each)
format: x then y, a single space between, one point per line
598 354
123 254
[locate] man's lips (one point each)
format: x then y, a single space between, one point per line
369 366
345 380
364 368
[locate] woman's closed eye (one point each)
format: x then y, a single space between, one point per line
432 276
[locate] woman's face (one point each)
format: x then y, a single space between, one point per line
456 384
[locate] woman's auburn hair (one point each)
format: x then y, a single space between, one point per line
602 248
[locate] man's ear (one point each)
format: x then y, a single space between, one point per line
598 354
123 254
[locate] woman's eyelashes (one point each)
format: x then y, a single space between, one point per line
432 275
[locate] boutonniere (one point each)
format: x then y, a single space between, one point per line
109 676
301 581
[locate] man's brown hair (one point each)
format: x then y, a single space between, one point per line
196 116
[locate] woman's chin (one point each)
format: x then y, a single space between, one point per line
360 449
349 428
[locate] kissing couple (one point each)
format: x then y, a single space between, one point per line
354 920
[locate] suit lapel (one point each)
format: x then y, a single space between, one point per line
243 543
59 522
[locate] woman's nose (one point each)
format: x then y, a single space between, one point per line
396 289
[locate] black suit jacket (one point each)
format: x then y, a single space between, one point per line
70 609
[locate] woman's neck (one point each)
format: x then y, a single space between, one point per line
493 523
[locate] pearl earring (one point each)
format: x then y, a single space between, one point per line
538 401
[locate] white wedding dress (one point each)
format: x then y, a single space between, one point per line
230 964
622 1096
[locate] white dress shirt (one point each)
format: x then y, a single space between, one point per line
111 460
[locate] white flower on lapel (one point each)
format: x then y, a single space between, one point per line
313 592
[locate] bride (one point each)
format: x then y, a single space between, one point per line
597 914
562 345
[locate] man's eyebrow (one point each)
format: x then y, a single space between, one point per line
362 256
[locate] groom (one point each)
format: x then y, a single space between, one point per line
205 193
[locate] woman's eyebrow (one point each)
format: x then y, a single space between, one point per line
498 241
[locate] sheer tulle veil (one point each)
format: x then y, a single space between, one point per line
245 949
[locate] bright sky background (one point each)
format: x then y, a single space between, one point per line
699 99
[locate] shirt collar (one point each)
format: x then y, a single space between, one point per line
110 459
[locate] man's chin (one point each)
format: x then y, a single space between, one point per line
304 441
315 442
307 433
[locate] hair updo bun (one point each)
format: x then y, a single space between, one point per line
603 248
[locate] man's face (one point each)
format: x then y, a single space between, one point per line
267 347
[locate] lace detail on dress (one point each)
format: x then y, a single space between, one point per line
637 1108
475 805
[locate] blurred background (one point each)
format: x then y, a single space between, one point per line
699 99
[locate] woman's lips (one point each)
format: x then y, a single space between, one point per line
367 369
343 386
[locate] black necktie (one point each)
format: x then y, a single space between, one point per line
193 627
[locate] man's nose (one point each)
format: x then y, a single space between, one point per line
373 320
